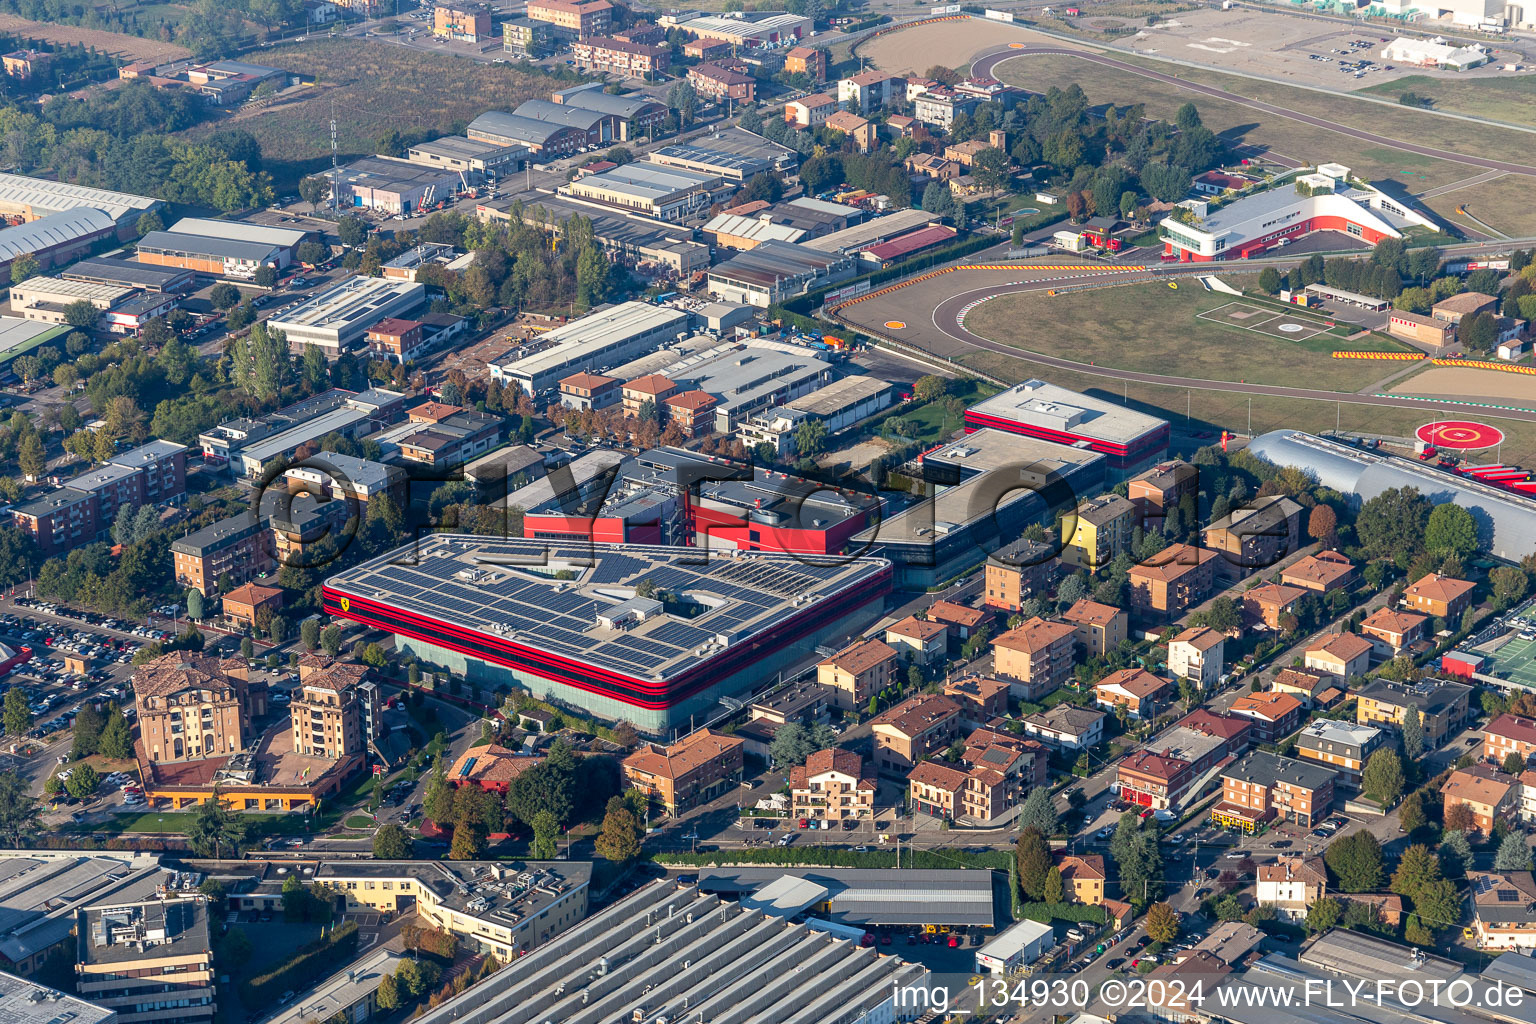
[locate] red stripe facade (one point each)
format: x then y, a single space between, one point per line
555 668
1120 455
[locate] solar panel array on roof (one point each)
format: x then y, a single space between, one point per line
508 589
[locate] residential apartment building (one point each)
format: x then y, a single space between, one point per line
1343 746
917 727
1509 734
868 91
1443 706
920 641
685 774
1099 532
1161 488
962 621
1138 691
983 698
858 672
1100 628
1066 726
239 547
692 412
396 340
1198 654
1322 573
810 111
328 716
1504 910
1083 878
1254 538
1151 779
807 60
1291 885
717 83
1015 572
192 707
653 388
1306 685
590 391
608 55
1037 656
1344 655
1164 773
1264 786
526 37
461 20
1490 794
83 510
1270 602
1173 580
832 785
151 962
573 18
1392 632
1444 597
1275 715
959 793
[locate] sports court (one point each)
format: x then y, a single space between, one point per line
1275 324
1515 659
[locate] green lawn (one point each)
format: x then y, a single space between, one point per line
179 821
1152 327
360 821
1282 135
933 421
1511 98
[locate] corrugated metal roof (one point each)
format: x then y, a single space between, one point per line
61 196
52 230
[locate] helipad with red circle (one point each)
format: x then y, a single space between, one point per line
1465 435
895 325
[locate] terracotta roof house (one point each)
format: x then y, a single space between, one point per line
1391 632
922 640
1269 602
1322 572
690 772
1083 878
490 766
1339 654
1442 596
1100 627
962 620
1491 794
1135 689
1274 715
1509 734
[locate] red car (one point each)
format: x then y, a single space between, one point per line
805 823
954 942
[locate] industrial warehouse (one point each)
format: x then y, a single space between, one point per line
595 342
496 611
339 316
676 953
1131 440
1507 520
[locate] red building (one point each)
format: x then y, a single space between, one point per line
490 766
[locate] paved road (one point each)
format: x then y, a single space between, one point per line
984 66
946 318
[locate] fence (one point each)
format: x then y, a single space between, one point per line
1483 364
1401 357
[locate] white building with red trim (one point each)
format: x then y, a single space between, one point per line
1254 224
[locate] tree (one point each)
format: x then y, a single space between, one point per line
314 190
1514 764
1222 615
1451 530
1479 333
1508 585
793 742
1411 814
82 782
330 640
1322 523
1055 888
195 603
215 828
1514 854
1162 923
81 313
309 632
224 295
23 267
810 438
18 716
546 831
1187 117
1383 777
30 456
1033 858
1355 861
990 168
468 842
1459 817
388 994
116 738
1455 853
619 840
1038 812
1269 281
1323 914
1134 847
1417 867
1391 525
18 808
1413 734
391 842
352 230
88 725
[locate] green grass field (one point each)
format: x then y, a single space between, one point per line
1511 98
1214 411
1152 327
375 87
1233 121
1504 203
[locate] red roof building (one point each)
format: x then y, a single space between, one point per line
905 245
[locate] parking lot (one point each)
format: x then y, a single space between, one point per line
1281 45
